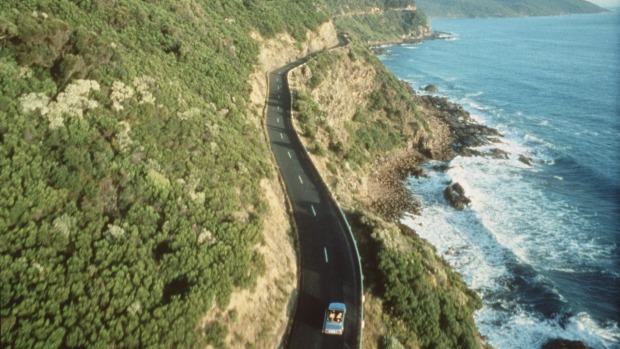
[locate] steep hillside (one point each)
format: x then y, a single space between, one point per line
380 21
504 8
135 177
366 131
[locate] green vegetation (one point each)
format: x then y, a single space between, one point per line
380 125
347 6
390 26
435 316
380 21
503 8
427 305
130 200
309 114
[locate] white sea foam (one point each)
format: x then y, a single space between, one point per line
499 229
475 94
448 36
520 329
478 106
531 242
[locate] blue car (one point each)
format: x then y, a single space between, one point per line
334 318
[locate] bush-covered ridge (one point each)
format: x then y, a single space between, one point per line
380 21
130 199
346 6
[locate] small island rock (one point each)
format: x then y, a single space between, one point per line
564 344
431 88
455 194
525 160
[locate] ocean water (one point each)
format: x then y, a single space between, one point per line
539 243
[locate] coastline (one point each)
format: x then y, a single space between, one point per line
484 176
457 134
433 35
393 198
345 87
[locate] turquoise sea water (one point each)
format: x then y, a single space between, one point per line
540 243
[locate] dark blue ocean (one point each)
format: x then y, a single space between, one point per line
540 242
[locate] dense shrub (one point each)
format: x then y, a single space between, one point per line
436 318
130 201
309 114
389 26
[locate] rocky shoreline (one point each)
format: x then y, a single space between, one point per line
459 135
377 47
464 135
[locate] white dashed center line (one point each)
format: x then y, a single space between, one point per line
313 210
325 251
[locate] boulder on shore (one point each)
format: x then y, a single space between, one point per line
564 344
455 194
431 88
497 153
525 160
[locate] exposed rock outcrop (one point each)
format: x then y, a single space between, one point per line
455 194
524 159
564 344
499 153
431 88
465 132
283 49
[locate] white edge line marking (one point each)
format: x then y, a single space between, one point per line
301 180
313 210
325 251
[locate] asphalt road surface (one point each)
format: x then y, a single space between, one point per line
329 271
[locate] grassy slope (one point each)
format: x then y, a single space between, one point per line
504 8
130 199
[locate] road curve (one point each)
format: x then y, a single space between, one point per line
329 269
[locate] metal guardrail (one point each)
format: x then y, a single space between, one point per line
332 196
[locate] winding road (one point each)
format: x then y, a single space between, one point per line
329 266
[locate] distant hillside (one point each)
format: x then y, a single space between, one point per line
380 21
505 8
